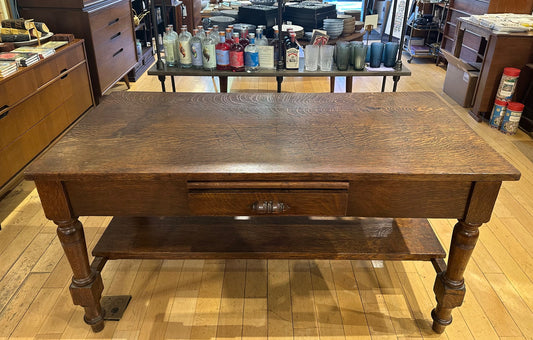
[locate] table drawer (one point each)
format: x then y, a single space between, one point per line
268 198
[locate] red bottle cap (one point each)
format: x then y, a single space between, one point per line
511 72
515 106
500 102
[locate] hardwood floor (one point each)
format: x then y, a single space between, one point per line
253 299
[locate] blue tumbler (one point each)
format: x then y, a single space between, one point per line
390 53
376 52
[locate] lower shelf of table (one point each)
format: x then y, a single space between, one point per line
268 238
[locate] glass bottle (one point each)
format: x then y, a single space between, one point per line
266 52
236 55
292 54
196 49
260 40
215 33
275 43
169 45
208 52
201 32
243 40
185 48
229 37
251 55
222 52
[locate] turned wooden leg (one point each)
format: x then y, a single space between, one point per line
449 286
86 287
331 84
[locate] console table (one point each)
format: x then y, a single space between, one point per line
163 71
177 168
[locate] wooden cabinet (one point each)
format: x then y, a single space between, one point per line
37 104
473 43
106 26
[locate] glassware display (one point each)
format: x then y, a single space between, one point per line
376 53
208 51
326 57
222 53
251 55
236 55
311 57
343 55
359 56
196 50
390 53
185 48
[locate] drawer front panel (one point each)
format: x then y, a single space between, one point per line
411 199
297 202
115 57
49 69
47 127
15 88
110 16
28 113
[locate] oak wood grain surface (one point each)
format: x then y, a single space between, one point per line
272 136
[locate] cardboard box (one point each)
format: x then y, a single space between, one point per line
460 82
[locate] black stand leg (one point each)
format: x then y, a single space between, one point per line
396 79
349 82
279 80
162 80
173 83
383 84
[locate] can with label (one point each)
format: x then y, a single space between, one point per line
512 118
498 112
508 84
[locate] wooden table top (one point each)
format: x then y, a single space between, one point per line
325 136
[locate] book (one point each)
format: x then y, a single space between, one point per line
54 44
22 58
43 52
7 68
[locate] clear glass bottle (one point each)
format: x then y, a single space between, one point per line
185 48
275 43
215 33
208 52
292 54
251 55
196 49
229 37
201 32
222 52
243 40
236 55
169 44
260 40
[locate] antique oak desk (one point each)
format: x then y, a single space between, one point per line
176 168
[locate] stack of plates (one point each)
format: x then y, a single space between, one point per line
221 21
334 27
349 23
299 30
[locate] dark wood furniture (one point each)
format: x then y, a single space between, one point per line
185 156
163 71
37 104
105 25
497 52
465 8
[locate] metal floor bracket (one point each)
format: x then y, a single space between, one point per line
115 306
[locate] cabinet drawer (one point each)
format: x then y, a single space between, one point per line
55 65
113 14
15 88
268 198
28 113
115 59
71 96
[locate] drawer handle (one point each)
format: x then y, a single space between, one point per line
269 207
64 75
5 113
115 36
113 22
118 52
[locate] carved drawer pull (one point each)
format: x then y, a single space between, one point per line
269 207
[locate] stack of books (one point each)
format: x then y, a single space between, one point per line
54 44
22 58
42 52
7 68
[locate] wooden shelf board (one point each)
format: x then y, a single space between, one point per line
268 237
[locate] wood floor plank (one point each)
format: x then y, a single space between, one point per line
279 303
255 318
229 325
304 320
